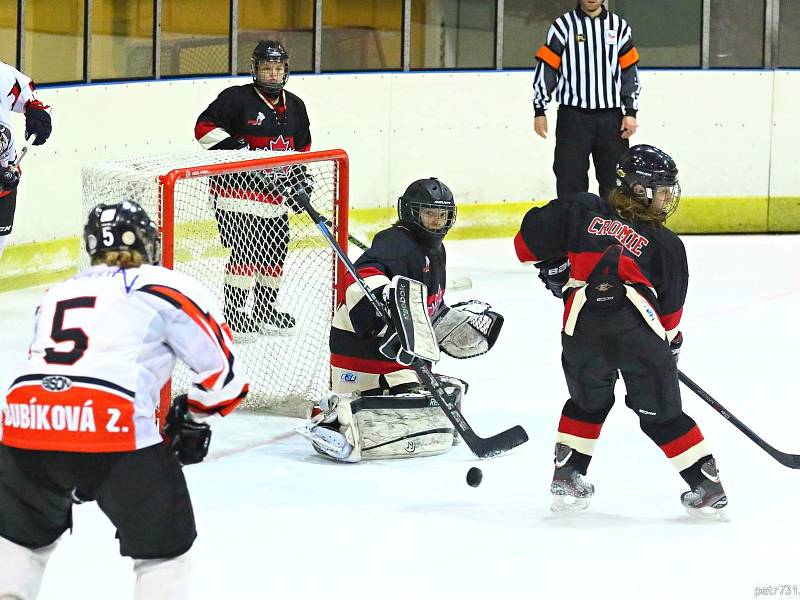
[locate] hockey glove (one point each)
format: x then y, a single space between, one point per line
38 121
554 274
675 346
392 349
300 186
189 439
9 178
231 143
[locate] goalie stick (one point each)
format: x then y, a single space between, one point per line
788 460
480 447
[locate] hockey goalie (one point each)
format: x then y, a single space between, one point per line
378 407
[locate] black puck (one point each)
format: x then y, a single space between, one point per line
474 477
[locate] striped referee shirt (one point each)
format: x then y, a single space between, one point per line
590 62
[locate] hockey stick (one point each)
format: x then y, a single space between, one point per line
788 460
481 447
25 149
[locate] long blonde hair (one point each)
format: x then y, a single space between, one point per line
124 259
631 209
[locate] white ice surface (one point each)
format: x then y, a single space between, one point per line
276 521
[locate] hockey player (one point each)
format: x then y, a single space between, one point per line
378 408
252 217
79 421
16 95
623 277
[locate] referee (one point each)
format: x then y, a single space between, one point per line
590 61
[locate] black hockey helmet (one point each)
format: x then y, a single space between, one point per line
427 193
122 226
272 52
646 173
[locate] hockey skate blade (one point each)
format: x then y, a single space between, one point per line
561 505
708 514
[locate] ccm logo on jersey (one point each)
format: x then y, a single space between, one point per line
349 377
56 383
626 235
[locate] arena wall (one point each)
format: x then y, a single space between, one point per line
734 135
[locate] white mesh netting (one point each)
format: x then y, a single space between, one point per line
240 233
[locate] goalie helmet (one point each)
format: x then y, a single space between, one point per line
120 227
650 176
423 196
266 52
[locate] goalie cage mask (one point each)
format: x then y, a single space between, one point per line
124 226
644 171
269 51
427 193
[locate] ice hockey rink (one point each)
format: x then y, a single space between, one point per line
277 521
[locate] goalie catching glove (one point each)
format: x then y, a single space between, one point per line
411 333
467 329
188 438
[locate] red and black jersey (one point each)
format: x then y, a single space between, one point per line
355 333
582 227
243 112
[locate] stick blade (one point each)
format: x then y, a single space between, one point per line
496 444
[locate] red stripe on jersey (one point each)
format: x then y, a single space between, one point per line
672 320
581 429
15 91
365 365
364 272
203 127
206 322
683 443
524 253
224 407
567 309
583 263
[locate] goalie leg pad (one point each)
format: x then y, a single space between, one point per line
402 426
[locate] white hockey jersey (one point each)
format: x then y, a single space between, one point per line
16 90
105 343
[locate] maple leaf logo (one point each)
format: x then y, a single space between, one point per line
281 144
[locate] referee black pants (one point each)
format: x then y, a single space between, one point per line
579 133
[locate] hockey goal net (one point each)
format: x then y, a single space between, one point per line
227 218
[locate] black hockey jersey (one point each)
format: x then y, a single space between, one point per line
241 111
355 333
582 227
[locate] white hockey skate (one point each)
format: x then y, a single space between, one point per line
570 492
322 430
707 500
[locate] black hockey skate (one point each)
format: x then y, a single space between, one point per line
245 330
271 320
570 491
707 499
